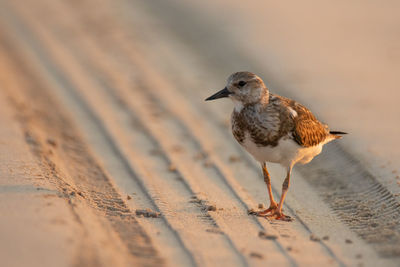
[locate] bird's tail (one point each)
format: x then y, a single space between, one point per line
337 134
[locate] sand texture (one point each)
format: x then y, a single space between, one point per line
109 155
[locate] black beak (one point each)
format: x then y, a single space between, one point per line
220 94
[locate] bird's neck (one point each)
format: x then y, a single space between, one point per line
238 105
260 97
264 98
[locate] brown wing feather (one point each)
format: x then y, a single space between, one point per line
308 131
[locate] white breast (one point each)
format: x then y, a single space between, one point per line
286 153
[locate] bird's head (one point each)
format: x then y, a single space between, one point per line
243 88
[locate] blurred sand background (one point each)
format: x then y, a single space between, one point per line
341 58
109 155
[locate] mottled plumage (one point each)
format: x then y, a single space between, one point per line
279 117
273 129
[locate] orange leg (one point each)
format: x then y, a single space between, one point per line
278 214
273 206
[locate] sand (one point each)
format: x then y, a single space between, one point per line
111 157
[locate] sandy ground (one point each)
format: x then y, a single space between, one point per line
110 157
341 55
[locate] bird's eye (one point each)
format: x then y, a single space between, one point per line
242 83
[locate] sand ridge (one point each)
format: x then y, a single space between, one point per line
116 135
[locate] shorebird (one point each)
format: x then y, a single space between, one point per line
273 129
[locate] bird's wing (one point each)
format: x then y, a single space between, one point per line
305 128
308 131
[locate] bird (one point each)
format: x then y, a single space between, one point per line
273 129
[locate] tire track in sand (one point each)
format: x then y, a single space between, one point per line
90 67
188 167
90 181
357 198
205 254
158 104
72 168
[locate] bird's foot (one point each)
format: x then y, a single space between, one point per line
278 215
272 213
271 210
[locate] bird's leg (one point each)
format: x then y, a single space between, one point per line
272 206
278 214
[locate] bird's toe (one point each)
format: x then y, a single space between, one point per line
262 213
278 215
